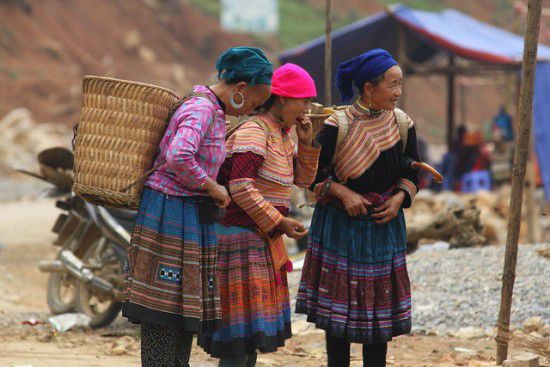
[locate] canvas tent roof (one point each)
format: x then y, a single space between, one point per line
416 38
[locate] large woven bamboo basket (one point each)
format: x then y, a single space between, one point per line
317 120
117 137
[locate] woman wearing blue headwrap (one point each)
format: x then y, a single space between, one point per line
171 287
354 282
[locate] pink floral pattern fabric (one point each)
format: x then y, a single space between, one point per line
193 147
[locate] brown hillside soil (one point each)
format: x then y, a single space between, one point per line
46 47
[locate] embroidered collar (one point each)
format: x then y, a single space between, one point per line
363 110
273 122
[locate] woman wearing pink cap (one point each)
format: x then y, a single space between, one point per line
259 171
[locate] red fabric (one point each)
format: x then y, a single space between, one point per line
279 257
483 160
292 81
241 165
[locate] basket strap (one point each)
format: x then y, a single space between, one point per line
403 125
75 130
173 110
343 128
185 98
143 177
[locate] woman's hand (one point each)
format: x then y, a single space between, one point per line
218 193
354 203
387 211
318 189
304 130
292 228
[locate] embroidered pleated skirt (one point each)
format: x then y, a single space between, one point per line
255 308
354 282
171 277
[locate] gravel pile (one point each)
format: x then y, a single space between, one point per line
461 287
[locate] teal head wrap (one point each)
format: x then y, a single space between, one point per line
244 64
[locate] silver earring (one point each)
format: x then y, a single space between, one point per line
234 104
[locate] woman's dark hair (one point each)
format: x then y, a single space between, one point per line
266 106
377 80
374 82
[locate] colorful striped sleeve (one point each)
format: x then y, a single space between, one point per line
243 192
307 161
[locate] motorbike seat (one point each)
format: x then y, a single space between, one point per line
122 214
124 217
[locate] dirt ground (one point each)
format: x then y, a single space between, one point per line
25 239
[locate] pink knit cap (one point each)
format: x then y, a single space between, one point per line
292 81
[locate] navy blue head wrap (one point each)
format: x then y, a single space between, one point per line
362 69
244 64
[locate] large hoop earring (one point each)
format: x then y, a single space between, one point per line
234 104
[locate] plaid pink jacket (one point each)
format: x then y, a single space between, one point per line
193 147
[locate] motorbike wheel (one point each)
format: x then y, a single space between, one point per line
107 262
61 295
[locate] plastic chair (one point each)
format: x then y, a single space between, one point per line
476 181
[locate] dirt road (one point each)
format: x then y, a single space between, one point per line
25 238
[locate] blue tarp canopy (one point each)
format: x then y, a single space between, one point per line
426 37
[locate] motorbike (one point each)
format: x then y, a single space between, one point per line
87 274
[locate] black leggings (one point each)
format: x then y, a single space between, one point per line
164 347
338 350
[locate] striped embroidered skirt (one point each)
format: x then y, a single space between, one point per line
255 310
354 282
171 276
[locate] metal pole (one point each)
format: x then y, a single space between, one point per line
328 54
518 175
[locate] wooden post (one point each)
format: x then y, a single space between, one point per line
530 184
328 54
518 176
450 102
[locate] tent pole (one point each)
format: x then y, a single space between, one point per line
530 205
450 102
518 175
402 58
328 54
518 92
462 97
